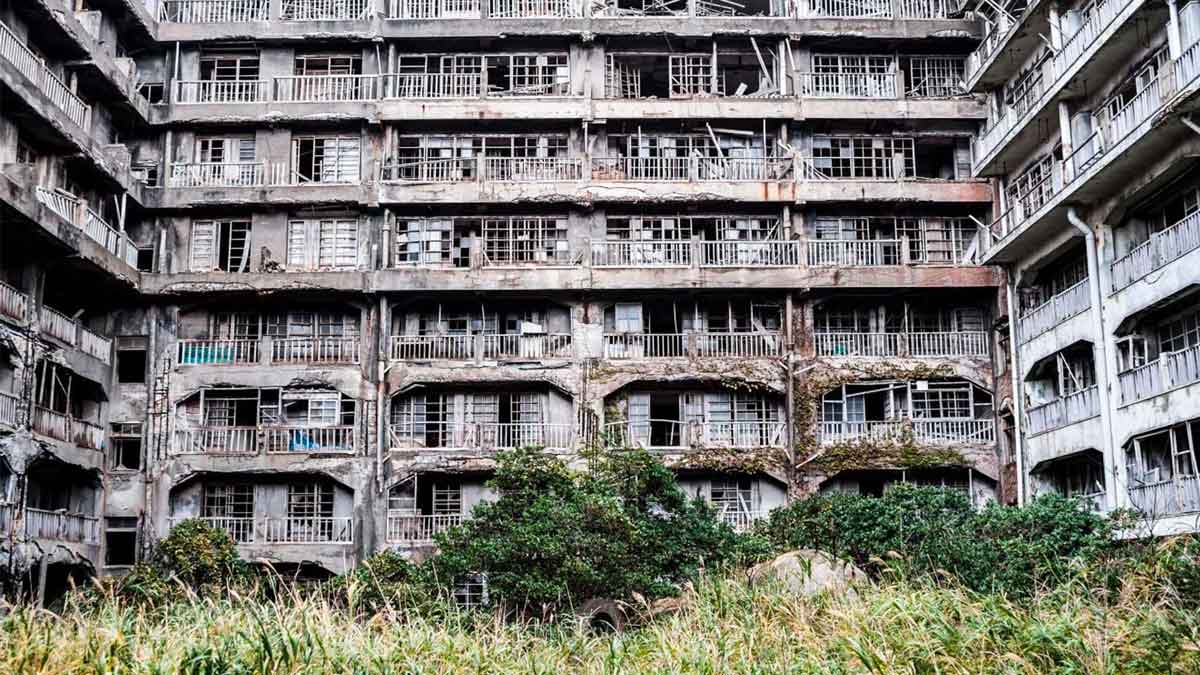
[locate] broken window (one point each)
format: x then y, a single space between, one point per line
325 243
228 500
326 159
433 241
730 496
125 446
516 240
1180 332
863 157
220 246
936 76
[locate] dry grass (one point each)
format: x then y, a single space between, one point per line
895 627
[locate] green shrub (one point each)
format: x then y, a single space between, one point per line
384 581
556 538
199 555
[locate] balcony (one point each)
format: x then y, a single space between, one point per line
740 520
328 88
1161 249
44 80
222 91
1168 497
268 351
65 428
13 303
680 436
9 405
222 175
690 169
1054 312
61 526
1060 412
274 440
62 327
481 347
850 85
925 431
214 11
419 528
918 345
465 85
876 9
479 436
75 212
327 10
856 252
1169 371
693 345
282 529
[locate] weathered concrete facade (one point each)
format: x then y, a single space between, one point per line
307 265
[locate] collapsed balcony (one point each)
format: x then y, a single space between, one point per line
312 336
421 506
472 242
287 510
1061 390
933 412
481 332
708 328
926 329
246 422
879 241
722 72
1162 471
1160 351
518 416
680 421
67 407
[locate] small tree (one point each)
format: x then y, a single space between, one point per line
199 555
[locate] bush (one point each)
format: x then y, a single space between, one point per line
556 538
929 531
199 555
384 581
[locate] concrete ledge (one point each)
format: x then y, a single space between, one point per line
913 190
892 109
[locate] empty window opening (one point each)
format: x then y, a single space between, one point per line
220 246
120 542
125 446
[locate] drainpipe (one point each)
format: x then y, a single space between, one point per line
1101 357
1014 374
381 371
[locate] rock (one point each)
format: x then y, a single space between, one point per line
808 572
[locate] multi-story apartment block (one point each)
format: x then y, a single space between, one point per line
1091 142
300 268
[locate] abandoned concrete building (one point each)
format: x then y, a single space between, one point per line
300 268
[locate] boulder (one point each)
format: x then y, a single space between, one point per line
808 572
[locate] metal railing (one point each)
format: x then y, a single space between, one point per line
737 253
1162 248
65 205
854 252
857 344
436 85
1168 371
646 345
418 434
222 91
642 253
14 50
481 347
532 9
920 344
929 431
61 526
267 351
218 352
1181 494
13 303
240 529
676 435
217 441
740 520
74 211
95 344
67 429
59 325
690 168
326 88
850 85
327 10
433 347
308 529
9 407
213 11
313 350
435 9
419 528
998 33
693 345
1074 407
309 439
1052 313
442 170
845 9
533 169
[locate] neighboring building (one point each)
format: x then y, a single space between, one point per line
1091 141
300 267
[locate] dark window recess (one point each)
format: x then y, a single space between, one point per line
145 259
125 447
120 542
153 92
131 366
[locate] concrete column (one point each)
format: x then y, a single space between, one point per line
1064 127
1174 39
1055 20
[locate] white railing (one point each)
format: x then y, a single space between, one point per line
9 405
213 11
642 168
59 325
857 344
101 232
997 34
740 520
925 9
1060 307
95 344
928 431
13 303
418 434
68 429
533 169
326 88
741 434
1178 495
480 347
219 352
961 343
14 50
532 9
1168 371
690 168
532 346
881 430
314 350
309 529
651 434
693 345
433 347
846 9
1073 47
854 252
642 253
1060 412
435 9
849 85
447 170
327 10
309 439
61 526
129 252
436 85
935 431
222 91
65 205
645 345
738 345
1156 252
413 528
677 435
770 253
240 529
71 209
217 441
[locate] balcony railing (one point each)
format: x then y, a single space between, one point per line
533 169
95 344
693 345
465 85
68 429
59 326
323 440
432 435
737 253
419 528
922 344
13 303
1062 306
1161 249
849 85
214 11
61 526
327 10
313 350
274 439
690 168
740 520
74 211
854 252
678 435
999 31
928 431
532 9
1061 412
327 88
1168 371
268 351
876 9
222 91
642 253
14 50
239 529
9 406
443 170
308 530
1169 497
481 347
218 352
435 9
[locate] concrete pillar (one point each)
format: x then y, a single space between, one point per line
1174 40
1064 127
1054 18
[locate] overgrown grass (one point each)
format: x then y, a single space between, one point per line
896 626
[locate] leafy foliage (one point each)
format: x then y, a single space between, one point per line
199 555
